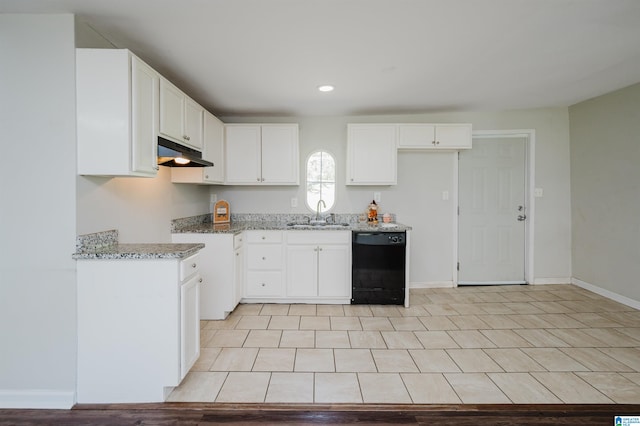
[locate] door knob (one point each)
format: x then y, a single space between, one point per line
522 217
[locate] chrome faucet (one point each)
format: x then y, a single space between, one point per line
321 201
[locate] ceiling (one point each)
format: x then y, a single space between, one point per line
267 57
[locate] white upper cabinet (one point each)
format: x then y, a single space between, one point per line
117 114
180 116
261 154
434 136
242 154
212 150
372 154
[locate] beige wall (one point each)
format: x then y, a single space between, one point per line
605 182
417 199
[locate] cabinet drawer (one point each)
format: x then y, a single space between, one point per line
237 240
189 266
264 284
264 236
267 256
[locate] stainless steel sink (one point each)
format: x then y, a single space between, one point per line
317 225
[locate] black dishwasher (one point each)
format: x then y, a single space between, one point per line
378 268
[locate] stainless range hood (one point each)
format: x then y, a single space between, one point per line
172 154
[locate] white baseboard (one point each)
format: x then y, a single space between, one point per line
606 293
44 399
431 284
543 281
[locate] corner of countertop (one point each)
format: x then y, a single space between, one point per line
96 240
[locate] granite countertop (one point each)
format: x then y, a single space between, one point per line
105 246
240 226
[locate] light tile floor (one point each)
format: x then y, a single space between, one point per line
506 344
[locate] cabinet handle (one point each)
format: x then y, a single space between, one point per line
185 137
237 254
262 179
320 248
206 176
200 280
433 142
263 285
437 142
193 265
264 238
264 258
156 167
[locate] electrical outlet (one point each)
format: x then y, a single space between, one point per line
214 198
445 195
294 202
377 197
538 192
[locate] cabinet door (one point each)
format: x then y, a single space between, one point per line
334 271
302 271
238 264
371 154
280 159
453 136
193 116
242 155
416 136
213 148
144 118
189 324
171 111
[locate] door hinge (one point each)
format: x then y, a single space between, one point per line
458 267
458 210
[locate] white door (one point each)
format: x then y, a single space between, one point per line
491 227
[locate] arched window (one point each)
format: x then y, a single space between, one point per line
321 181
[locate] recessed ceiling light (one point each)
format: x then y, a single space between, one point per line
326 88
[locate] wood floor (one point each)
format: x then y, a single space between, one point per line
316 414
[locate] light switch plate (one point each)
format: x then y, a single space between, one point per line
445 195
294 202
214 198
377 197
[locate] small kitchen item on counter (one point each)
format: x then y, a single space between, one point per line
362 219
386 218
221 212
373 212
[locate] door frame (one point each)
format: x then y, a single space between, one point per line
529 136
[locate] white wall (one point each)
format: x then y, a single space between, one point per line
422 177
605 181
141 209
37 212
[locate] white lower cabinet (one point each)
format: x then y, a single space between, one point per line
319 265
221 259
138 328
189 323
264 264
